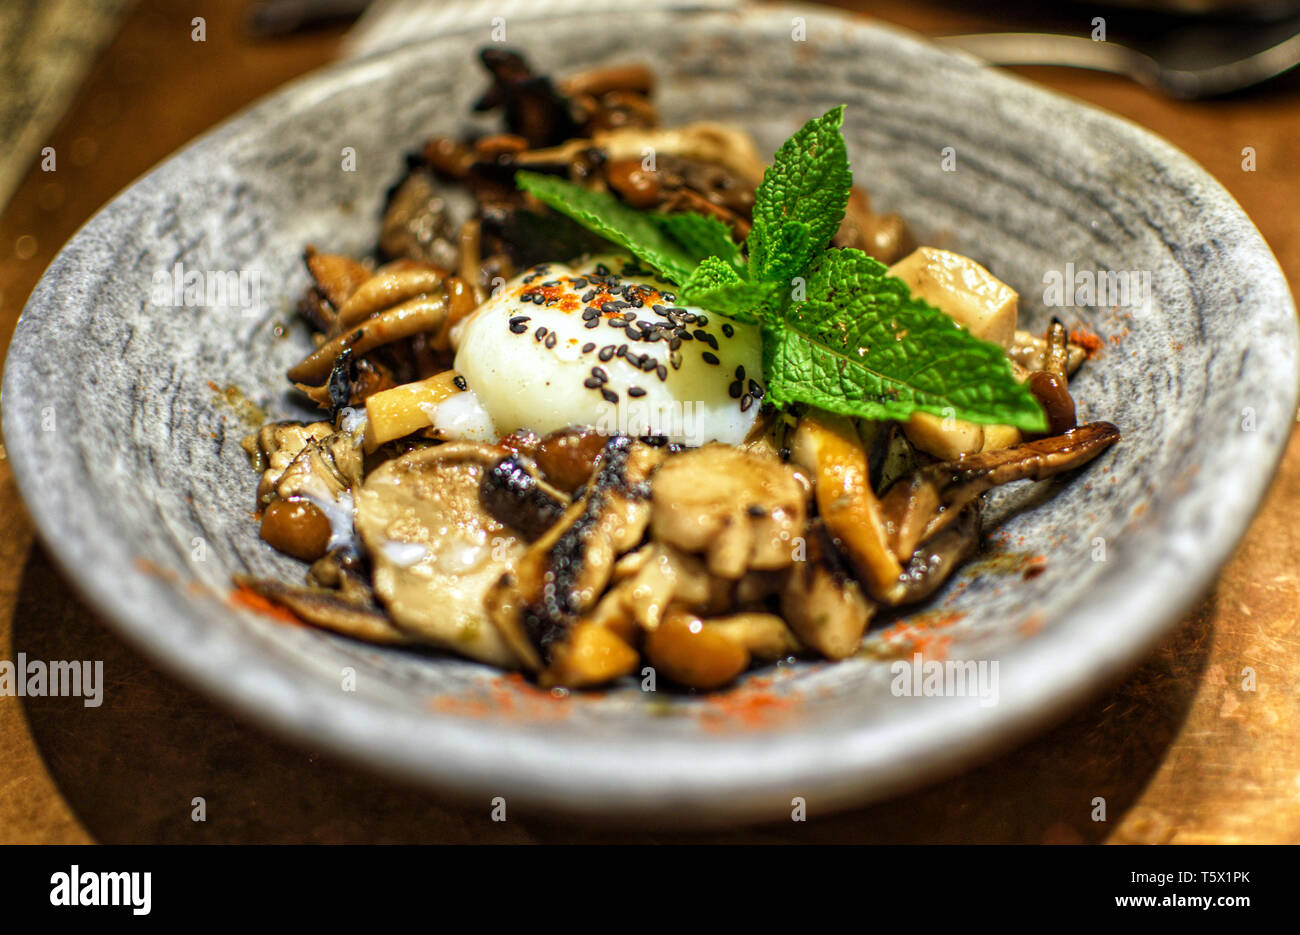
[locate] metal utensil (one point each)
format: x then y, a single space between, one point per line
1191 61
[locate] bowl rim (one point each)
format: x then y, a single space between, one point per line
718 780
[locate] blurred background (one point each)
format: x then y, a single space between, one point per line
95 92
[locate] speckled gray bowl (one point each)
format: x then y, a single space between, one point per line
127 450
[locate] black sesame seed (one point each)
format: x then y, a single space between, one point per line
460 382
710 358
600 374
593 323
728 330
589 313
745 402
609 395
615 323
591 383
519 325
588 347
735 389
755 390
579 284
588 296
539 333
635 391
551 340
606 352
662 372
622 351
740 372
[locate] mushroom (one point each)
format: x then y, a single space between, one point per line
336 276
655 577
1050 384
740 510
435 550
1028 351
562 575
533 108
883 236
920 505
425 313
822 603
708 654
938 557
275 445
829 447
514 494
330 610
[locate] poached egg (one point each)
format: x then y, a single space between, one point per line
603 343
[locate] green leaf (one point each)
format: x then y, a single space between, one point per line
808 182
603 214
702 237
735 298
862 345
786 256
711 272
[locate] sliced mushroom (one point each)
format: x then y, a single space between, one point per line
329 610
336 276
706 142
563 574
829 447
434 550
656 577
742 511
514 494
938 557
390 285
421 220
419 315
919 506
822 603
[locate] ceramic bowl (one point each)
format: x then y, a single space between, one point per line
123 413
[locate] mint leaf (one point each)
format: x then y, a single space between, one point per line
702 237
787 254
603 214
862 345
808 182
749 302
711 272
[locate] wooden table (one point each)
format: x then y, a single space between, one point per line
1177 750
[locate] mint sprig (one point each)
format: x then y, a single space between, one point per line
839 333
